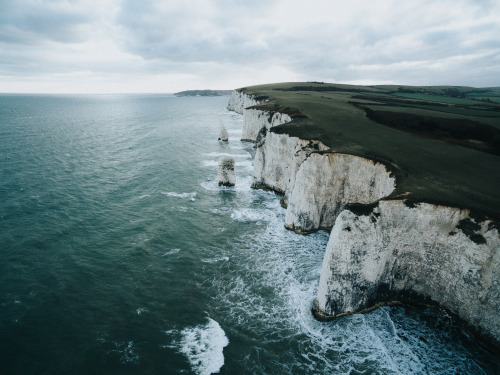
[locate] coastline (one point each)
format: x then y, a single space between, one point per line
467 244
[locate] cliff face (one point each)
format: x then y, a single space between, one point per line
386 251
258 122
238 101
255 121
426 252
278 159
316 185
326 182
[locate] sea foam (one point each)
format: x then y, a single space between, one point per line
203 346
179 195
215 260
245 155
252 215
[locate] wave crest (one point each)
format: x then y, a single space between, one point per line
203 346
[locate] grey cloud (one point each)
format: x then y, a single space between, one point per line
32 22
184 33
410 42
441 37
229 33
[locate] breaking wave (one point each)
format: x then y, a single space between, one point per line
215 260
179 195
203 346
245 155
252 215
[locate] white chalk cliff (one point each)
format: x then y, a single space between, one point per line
258 122
278 159
422 252
379 250
326 182
238 101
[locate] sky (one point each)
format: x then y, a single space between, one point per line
164 46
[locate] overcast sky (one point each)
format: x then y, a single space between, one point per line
101 46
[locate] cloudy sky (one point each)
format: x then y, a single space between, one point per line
101 46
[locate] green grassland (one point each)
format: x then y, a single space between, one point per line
437 98
441 166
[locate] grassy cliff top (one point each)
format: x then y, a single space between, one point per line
441 142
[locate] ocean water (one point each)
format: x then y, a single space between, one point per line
120 254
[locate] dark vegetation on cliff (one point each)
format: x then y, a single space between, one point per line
441 142
463 132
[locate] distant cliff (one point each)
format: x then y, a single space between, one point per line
204 93
382 248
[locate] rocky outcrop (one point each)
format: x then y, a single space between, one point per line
403 252
223 136
227 176
325 183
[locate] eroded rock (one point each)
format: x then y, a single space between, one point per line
227 175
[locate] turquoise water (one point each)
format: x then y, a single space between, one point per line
119 254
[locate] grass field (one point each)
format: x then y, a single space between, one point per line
428 167
437 98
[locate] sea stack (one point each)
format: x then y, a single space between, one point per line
223 133
227 176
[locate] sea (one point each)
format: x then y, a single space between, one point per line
120 254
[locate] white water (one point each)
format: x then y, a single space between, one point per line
203 346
